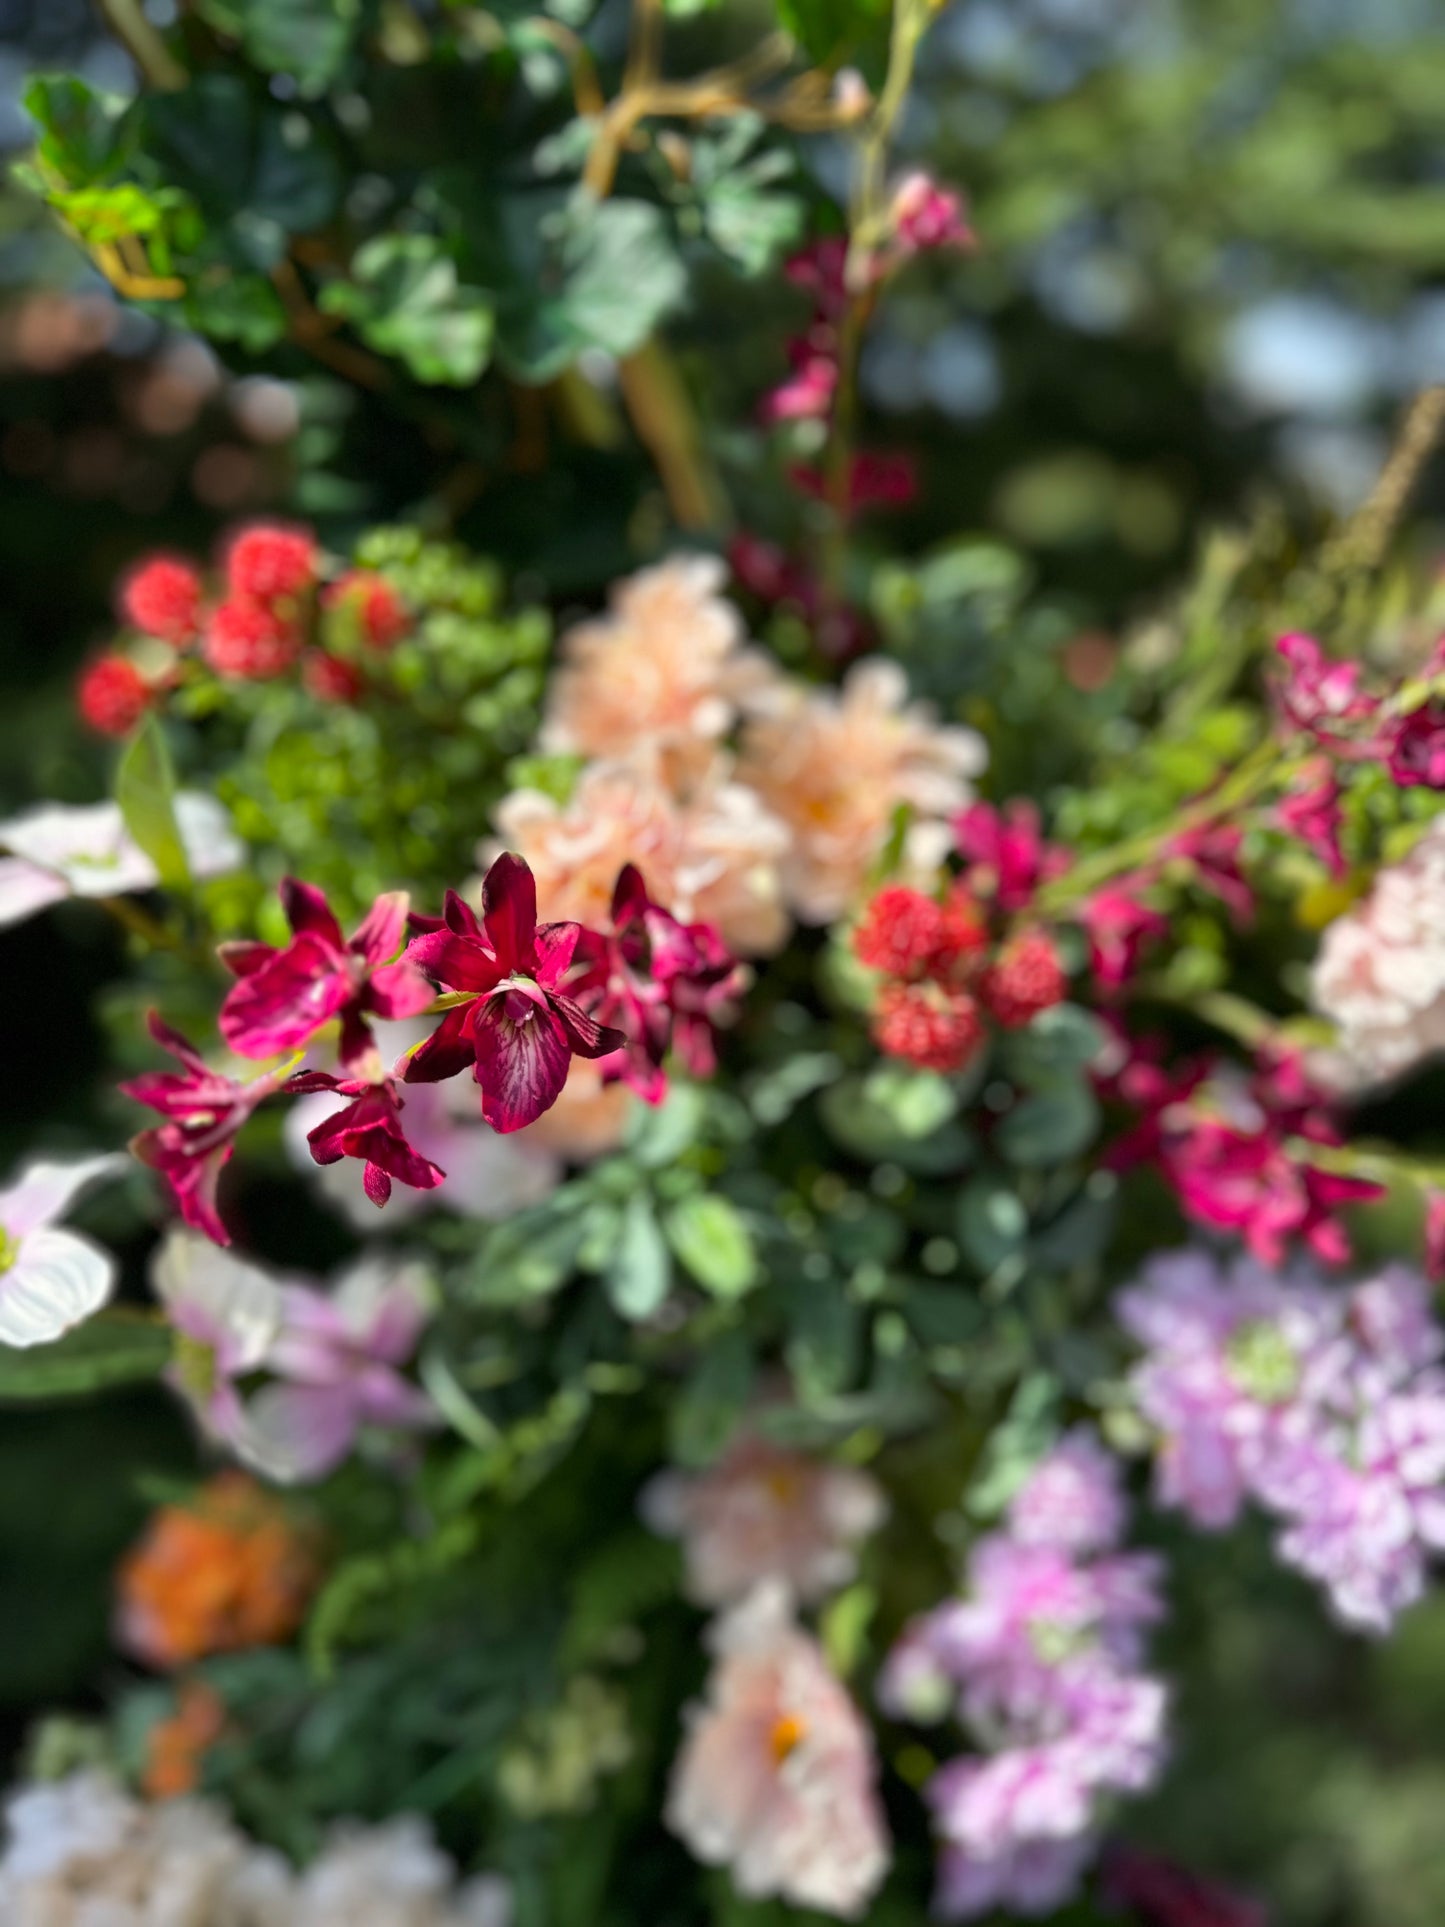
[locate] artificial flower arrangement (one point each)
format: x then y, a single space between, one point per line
814 1205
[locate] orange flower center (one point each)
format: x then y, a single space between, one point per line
787 1736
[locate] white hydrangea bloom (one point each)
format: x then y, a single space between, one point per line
1380 972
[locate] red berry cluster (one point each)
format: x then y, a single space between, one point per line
261 625
942 983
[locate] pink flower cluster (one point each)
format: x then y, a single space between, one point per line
744 796
523 1001
1244 1151
1326 700
1041 1661
1327 1407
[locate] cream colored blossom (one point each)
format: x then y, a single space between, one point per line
1380 972
82 1853
711 853
835 765
776 1776
765 1513
664 671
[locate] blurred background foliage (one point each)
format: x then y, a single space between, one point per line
1211 270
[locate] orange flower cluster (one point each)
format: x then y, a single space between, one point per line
229 1571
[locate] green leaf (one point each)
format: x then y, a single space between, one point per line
305 39
829 29
1058 1043
708 1409
844 1627
712 1241
742 214
659 1134
890 1121
113 1348
243 308
570 275
81 132
1049 1127
102 214
992 1222
256 172
639 1273
145 789
1015 1445
405 298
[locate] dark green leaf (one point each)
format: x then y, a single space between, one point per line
81 133
1059 1043
145 789
404 296
244 308
992 1222
113 1348
1051 1126
305 39
711 1403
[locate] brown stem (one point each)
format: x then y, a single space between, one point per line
1361 544
158 66
662 414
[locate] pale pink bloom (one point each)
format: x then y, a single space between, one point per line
765 1513
709 854
836 765
588 1120
1380 972
665 670
776 1776
50 1279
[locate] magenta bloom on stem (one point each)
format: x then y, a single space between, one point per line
519 1029
1005 852
285 996
1316 694
1159 1894
1312 814
369 1128
659 982
204 1111
1213 857
1120 927
1415 748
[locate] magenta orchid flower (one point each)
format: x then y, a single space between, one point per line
518 1028
369 1128
660 983
285 996
340 1354
204 1110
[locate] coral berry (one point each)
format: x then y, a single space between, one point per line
380 614
329 679
269 562
907 934
163 598
113 695
1025 978
248 643
936 1028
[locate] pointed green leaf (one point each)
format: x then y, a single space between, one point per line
145 788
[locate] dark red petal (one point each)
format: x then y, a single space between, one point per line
172 1041
307 909
584 1034
447 1052
379 934
629 897
461 963
521 1066
243 959
556 945
286 1001
304 1083
458 915
376 1184
509 910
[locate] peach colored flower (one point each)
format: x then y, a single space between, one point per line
227 1572
775 1779
663 671
765 1513
709 854
835 765
587 1121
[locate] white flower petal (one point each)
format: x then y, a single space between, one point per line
58 1280
212 846
234 1299
44 1191
24 889
86 846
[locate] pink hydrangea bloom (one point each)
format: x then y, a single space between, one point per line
1072 1498
285 996
1034 1879
518 1029
666 671
1326 1407
1380 972
835 767
775 1779
710 850
765 1513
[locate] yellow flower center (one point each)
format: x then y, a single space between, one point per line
787 1736
9 1249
